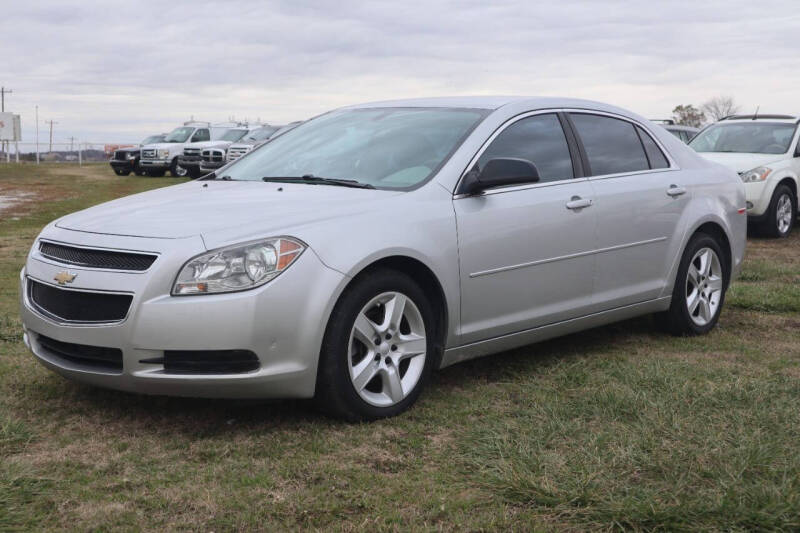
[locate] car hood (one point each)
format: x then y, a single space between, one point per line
205 207
741 162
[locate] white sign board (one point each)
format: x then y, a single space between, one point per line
10 129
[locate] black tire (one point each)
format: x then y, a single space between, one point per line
121 172
770 227
177 170
155 173
335 393
678 320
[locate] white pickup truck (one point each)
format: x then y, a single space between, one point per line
157 158
222 136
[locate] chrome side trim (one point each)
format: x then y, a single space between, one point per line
565 257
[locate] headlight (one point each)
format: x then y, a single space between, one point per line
757 174
163 154
237 268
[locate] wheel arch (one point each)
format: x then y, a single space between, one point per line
428 281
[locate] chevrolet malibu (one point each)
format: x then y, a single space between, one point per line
354 255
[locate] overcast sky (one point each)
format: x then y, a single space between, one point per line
110 71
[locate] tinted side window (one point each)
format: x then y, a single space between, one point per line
654 153
538 139
612 145
201 135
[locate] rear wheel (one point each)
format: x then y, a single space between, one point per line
699 290
782 213
378 350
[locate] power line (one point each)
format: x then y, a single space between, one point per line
3 93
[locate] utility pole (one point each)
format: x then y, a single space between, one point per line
71 141
3 93
51 122
37 134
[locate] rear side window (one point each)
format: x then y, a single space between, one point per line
612 145
538 139
654 154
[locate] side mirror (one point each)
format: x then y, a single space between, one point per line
499 172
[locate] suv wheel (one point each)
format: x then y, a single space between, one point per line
781 214
378 349
699 290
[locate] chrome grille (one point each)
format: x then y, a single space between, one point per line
149 153
214 155
235 152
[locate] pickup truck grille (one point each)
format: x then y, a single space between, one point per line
235 152
120 155
191 151
149 153
214 155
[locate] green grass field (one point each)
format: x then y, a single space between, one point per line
620 427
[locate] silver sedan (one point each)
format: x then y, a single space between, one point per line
352 256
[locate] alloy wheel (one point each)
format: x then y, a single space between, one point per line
783 213
703 286
387 349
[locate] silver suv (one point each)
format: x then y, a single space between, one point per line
352 256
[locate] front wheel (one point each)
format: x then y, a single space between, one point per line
176 170
121 172
781 214
378 350
699 290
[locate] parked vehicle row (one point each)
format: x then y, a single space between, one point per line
350 257
192 150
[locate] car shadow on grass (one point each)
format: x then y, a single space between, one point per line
208 417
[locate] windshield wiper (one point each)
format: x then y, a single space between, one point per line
317 180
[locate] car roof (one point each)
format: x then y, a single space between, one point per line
769 117
494 102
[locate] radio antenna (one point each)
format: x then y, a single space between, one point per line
756 115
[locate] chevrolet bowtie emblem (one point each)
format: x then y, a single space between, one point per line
64 277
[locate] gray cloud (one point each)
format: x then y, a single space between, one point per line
118 71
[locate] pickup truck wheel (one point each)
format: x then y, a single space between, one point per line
155 173
782 213
176 170
121 172
378 349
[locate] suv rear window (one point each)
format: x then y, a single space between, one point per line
612 145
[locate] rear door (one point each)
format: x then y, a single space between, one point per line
526 251
639 199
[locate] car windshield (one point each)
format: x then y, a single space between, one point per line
233 135
745 137
153 139
179 135
262 134
387 148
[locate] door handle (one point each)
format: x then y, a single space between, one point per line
576 202
674 190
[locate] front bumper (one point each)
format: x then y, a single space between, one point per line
211 166
155 163
189 162
758 195
282 322
128 164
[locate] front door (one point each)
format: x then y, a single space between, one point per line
526 251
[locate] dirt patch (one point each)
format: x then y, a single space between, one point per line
10 200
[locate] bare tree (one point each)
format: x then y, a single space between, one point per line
720 107
688 115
